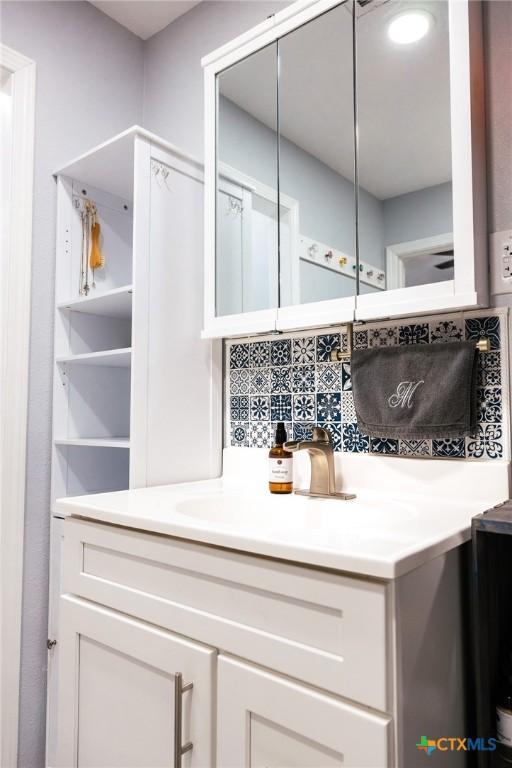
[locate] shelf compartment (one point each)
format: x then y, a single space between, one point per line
113 358
80 333
114 303
92 402
95 442
80 470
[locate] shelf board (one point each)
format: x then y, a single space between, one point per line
113 358
95 442
110 165
114 303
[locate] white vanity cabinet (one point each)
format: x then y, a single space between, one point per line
291 666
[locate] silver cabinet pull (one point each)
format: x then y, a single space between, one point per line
179 748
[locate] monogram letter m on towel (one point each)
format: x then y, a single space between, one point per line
416 392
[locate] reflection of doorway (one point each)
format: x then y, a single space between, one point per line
248 270
17 99
420 262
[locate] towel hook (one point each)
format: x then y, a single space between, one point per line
337 355
483 345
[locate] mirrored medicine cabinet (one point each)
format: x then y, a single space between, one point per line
344 166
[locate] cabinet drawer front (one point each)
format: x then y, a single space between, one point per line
320 627
264 719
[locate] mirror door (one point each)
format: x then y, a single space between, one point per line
404 147
317 165
247 238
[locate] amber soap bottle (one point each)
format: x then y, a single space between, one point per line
280 479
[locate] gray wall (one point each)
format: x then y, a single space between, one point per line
173 80
89 86
415 215
498 61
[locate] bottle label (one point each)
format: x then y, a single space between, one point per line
281 470
504 726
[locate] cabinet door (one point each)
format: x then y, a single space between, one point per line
55 589
265 721
117 686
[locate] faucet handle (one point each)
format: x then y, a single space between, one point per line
321 435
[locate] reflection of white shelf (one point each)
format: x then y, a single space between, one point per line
96 442
114 303
114 358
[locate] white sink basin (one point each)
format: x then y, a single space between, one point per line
267 512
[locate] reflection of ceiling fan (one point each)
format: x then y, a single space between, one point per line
449 263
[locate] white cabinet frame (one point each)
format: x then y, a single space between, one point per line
469 287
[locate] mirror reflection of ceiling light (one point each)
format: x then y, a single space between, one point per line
409 27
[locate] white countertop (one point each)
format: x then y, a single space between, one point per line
407 518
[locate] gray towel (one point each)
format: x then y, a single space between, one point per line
416 392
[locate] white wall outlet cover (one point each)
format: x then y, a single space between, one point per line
500 249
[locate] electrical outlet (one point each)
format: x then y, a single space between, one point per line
501 262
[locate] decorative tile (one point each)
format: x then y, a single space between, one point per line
446 330
239 382
325 344
328 377
239 408
383 445
281 379
303 378
240 434
346 377
484 328
281 407
260 434
353 440
383 337
303 350
489 369
449 447
260 381
264 374
489 405
328 406
413 334
304 407
281 352
259 354
260 408
302 431
360 340
487 444
348 409
239 356
415 447
335 431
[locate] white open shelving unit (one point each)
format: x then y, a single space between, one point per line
130 366
137 393
93 332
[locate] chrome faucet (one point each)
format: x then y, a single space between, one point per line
323 479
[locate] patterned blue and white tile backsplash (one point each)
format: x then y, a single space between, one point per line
290 378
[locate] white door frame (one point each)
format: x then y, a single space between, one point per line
14 360
399 252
